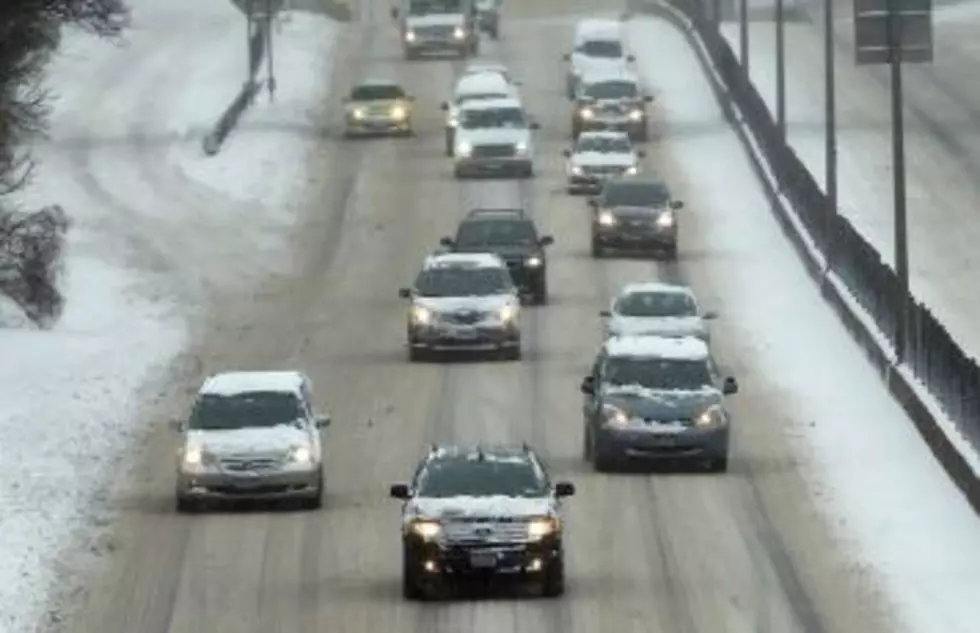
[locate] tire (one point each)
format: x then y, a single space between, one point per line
576 130
459 174
512 353
587 445
186 505
670 252
449 149
316 501
416 355
601 463
718 465
597 249
527 172
553 584
540 296
410 583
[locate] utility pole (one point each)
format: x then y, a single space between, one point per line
898 176
830 136
249 28
780 70
743 37
270 64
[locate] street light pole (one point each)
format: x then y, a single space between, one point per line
743 37
268 50
830 136
898 174
780 71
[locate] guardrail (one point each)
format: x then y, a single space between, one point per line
860 285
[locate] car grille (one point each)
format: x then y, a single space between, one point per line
613 109
494 151
250 464
483 532
435 32
687 422
604 169
463 318
378 111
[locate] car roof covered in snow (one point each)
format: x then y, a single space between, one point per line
654 287
463 260
493 104
489 452
610 134
599 74
598 28
234 383
657 347
483 81
377 81
486 66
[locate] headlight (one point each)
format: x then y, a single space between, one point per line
301 455
541 527
636 115
521 148
533 262
665 219
586 113
507 313
576 170
452 120
421 315
357 113
711 417
464 149
398 113
606 218
410 36
632 171
427 530
196 456
459 32
615 416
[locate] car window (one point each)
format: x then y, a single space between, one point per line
612 89
657 373
635 194
493 118
463 282
469 476
476 96
433 7
247 410
601 48
495 233
376 93
604 144
656 304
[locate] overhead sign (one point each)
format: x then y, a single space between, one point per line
912 23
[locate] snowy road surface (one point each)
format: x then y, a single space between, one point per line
157 233
778 544
942 146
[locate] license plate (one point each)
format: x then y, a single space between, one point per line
465 333
665 440
483 560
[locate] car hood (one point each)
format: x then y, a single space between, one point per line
586 159
376 104
436 19
623 105
508 252
638 213
494 507
661 405
494 135
667 326
456 304
584 62
250 441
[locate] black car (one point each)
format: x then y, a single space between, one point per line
635 213
511 234
481 513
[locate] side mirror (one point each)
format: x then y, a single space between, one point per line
404 293
446 241
400 491
709 315
730 387
444 106
394 13
546 240
567 153
588 385
564 489
567 57
605 314
631 58
648 98
593 202
641 153
534 125
322 421
676 204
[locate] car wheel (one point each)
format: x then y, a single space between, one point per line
411 589
449 149
186 505
416 355
315 502
601 462
541 295
670 252
527 172
718 465
587 444
597 248
553 584
512 353
458 173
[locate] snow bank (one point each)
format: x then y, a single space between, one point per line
891 502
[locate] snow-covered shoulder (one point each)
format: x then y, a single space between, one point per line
657 347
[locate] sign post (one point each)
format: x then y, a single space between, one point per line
896 32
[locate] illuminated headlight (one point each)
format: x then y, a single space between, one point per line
452 120
541 527
521 148
709 418
196 456
398 113
421 315
586 113
464 149
632 170
301 455
426 530
576 170
533 262
665 219
606 218
459 32
636 115
615 416
410 36
357 113
507 314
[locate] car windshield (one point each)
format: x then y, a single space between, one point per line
656 304
654 373
601 48
495 233
604 144
472 477
458 281
247 410
493 118
635 194
477 96
612 90
376 92
431 7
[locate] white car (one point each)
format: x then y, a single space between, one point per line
463 302
473 87
251 435
597 157
598 44
657 309
494 138
481 67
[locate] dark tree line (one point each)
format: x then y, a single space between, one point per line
31 242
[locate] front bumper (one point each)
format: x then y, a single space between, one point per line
433 560
591 182
644 446
627 236
630 126
528 280
377 126
473 338
280 484
493 166
448 45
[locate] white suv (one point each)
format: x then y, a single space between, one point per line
598 45
494 138
473 87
